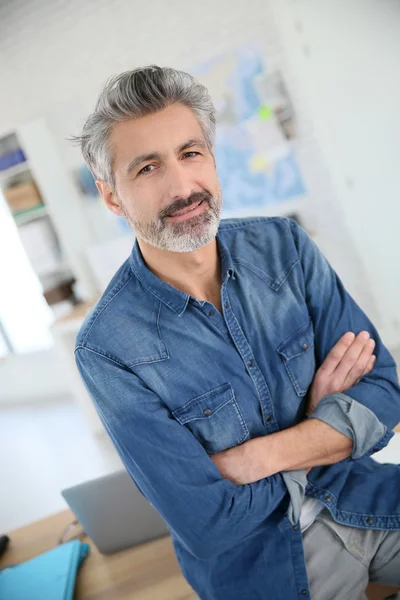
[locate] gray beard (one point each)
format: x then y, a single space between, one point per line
186 236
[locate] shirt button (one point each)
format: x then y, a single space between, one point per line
226 304
295 527
269 418
211 313
370 521
250 363
328 499
303 592
207 411
305 346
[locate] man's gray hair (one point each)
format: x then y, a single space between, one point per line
134 94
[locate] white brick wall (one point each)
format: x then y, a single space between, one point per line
55 56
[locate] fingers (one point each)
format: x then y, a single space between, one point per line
356 360
368 369
335 356
370 365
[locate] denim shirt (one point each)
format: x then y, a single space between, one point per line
175 381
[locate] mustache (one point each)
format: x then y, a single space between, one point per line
178 205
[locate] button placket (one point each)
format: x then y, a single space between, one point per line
219 318
244 349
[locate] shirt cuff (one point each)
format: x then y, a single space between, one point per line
296 482
354 420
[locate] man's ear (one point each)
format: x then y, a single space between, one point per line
110 198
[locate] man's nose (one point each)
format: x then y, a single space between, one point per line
179 183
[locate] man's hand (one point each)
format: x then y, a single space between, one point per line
350 358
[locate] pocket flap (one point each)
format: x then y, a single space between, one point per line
298 342
206 405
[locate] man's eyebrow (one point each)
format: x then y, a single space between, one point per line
190 144
138 160
141 159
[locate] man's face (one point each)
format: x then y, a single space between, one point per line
166 180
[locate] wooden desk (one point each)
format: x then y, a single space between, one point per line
146 572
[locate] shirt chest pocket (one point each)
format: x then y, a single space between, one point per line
297 354
215 419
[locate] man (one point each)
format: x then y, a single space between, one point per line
217 360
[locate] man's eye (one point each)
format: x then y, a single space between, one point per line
192 153
145 169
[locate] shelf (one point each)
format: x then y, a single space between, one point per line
27 216
6 174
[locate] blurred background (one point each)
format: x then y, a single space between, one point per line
307 94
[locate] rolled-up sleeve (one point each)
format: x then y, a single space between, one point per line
354 420
207 513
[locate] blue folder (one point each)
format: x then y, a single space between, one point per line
49 576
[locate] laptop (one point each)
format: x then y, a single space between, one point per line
113 513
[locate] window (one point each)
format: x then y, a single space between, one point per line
25 316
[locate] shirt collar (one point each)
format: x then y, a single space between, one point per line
172 297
